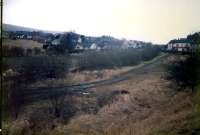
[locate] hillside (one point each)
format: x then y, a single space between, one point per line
72 38
10 27
22 43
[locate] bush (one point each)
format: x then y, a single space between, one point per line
105 99
25 71
42 67
5 51
13 98
37 50
58 50
186 73
115 58
29 52
149 53
12 51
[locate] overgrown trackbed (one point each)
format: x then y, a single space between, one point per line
38 93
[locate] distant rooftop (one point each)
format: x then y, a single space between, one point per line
182 40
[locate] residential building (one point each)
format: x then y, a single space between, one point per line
180 45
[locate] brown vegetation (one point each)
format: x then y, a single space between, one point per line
22 43
150 106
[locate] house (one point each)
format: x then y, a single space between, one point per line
22 37
125 44
56 42
131 44
79 40
47 43
93 46
78 47
180 45
29 37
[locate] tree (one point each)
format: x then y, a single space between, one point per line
68 41
194 38
16 51
62 104
56 102
29 52
42 67
187 72
16 96
28 71
37 50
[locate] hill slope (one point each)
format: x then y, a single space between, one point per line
10 27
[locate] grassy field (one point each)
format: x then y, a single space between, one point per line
22 43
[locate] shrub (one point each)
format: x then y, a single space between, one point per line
28 70
42 67
5 51
13 98
149 53
115 58
105 98
58 50
17 51
37 50
12 51
29 52
186 72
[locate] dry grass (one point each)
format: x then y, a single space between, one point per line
197 110
86 76
152 107
22 43
91 76
148 108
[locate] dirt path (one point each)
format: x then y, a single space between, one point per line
43 92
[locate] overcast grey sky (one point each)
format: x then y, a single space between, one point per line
157 21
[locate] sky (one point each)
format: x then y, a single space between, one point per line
156 21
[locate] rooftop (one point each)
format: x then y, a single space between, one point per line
182 40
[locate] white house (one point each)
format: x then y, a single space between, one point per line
56 42
181 45
130 44
93 46
79 40
29 37
22 36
